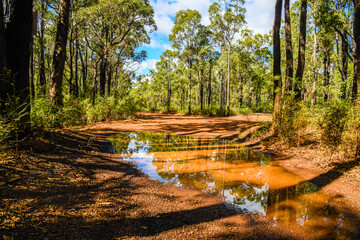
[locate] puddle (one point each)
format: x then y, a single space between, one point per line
245 180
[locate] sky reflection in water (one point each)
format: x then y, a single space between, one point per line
245 180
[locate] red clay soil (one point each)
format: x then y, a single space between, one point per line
69 186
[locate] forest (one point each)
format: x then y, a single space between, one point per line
70 76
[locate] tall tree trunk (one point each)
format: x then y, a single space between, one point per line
201 92
238 75
356 80
209 85
32 86
109 78
104 62
257 95
71 62
93 93
84 71
2 44
182 98
33 33
288 46
18 35
168 89
326 77
228 83
344 63
42 77
189 93
116 80
277 68
76 65
221 99
301 57
56 80
5 87
103 67
356 30
315 70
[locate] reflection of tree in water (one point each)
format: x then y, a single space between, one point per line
129 143
277 207
209 164
301 204
245 191
171 142
198 180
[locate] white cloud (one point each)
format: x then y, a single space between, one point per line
164 24
147 65
260 15
166 10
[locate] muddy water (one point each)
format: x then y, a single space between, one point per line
245 180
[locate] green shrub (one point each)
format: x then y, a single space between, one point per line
293 121
109 108
77 112
10 123
351 136
14 118
333 123
45 116
245 110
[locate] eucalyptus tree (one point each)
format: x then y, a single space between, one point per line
252 58
164 72
212 56
15 40
186 37
59 57
4 85
168 56
277 67
200 65
301 57
116 28
333 18
40 7
200 60
227 17
180 84
288 46
356 30
2 49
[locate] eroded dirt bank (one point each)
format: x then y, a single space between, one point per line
69 186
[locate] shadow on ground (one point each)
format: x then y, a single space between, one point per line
75 189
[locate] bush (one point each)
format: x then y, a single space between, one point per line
10 123
109 108
333 123
245 110
210 111
351 136
14 116
293 121
75 112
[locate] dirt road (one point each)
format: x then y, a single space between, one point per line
71 187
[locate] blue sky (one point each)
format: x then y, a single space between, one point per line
259 17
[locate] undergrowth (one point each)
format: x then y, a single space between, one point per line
333 126
293 123
79 112
14 117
